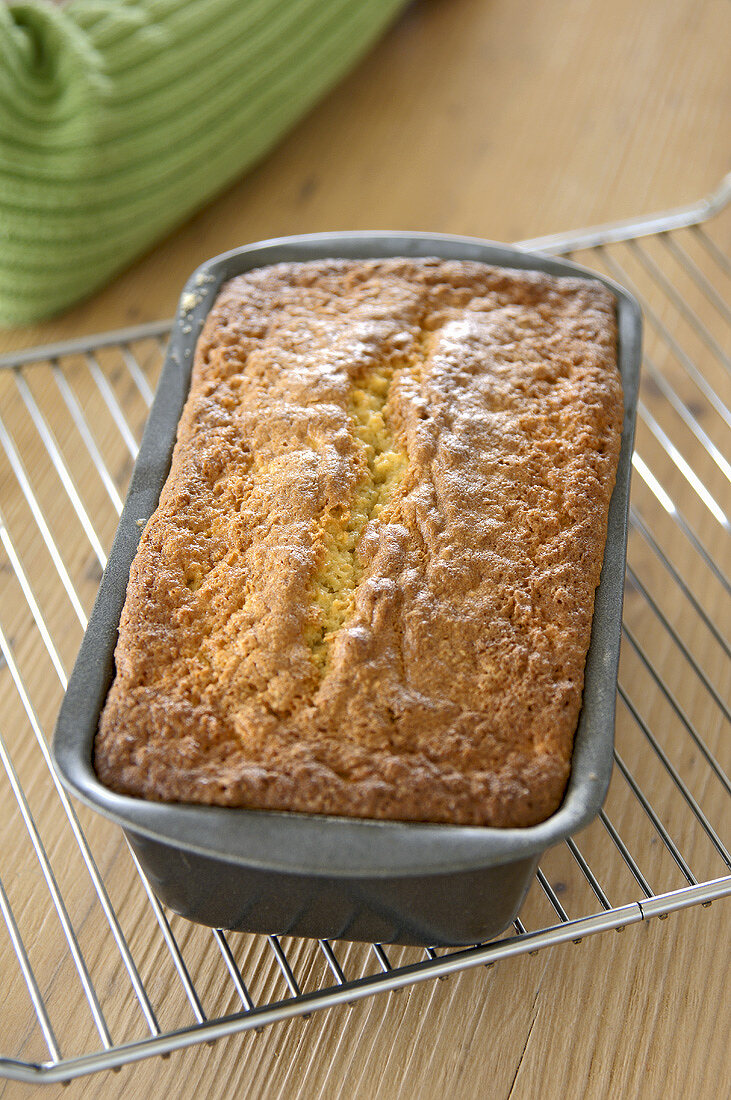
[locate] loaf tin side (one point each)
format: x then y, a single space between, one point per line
403 909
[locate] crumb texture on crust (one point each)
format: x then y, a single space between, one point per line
369 584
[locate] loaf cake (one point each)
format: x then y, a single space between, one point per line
368 587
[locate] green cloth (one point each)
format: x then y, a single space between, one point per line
120 117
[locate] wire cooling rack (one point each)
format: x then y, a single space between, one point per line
95 972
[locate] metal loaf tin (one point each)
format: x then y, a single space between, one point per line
332 877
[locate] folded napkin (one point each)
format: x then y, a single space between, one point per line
120 117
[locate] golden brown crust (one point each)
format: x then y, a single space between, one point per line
452 689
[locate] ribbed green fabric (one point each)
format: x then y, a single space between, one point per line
120 117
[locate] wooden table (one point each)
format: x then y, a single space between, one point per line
505 120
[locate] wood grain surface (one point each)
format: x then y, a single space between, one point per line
504 119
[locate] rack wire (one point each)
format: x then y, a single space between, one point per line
96 973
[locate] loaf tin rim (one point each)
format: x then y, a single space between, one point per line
322 845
